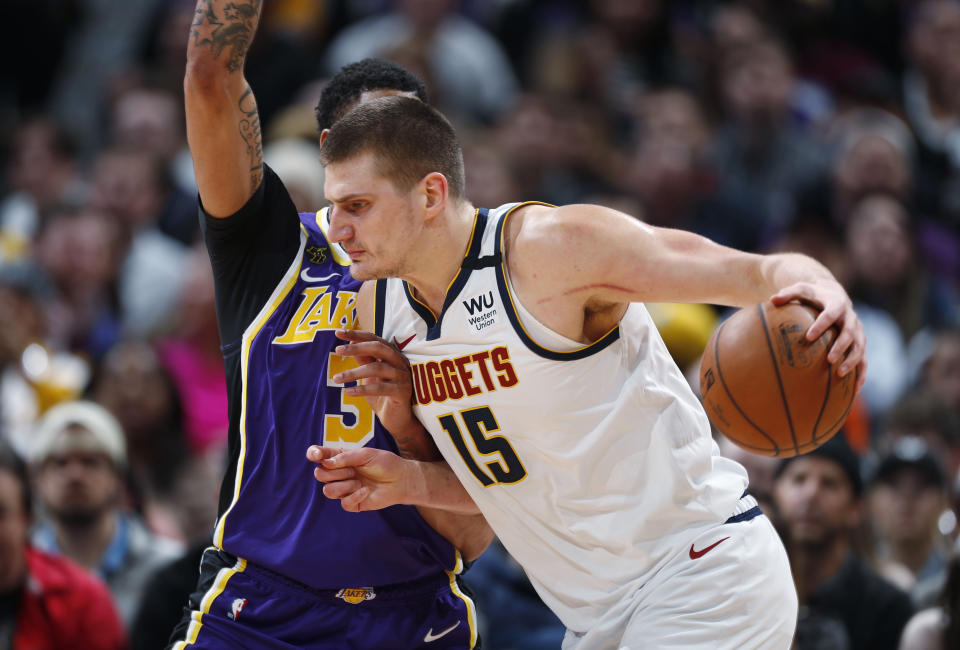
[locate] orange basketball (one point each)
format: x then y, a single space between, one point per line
768 389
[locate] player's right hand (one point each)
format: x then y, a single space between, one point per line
362 479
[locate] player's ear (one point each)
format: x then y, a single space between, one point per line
435 189
323 135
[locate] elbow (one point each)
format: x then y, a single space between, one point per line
203 75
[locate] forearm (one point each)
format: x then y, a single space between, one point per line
434 485
221 33
223 123
414 443
784 269
444 504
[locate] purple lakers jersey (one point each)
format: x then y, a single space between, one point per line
273 512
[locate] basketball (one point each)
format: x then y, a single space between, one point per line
768 389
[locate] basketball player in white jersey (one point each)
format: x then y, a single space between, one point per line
544 383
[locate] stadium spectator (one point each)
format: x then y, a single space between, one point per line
923 414
79 457
908 497
191 356
45 601
938 627
843 602
42 174
764 159
941 373
474 79
131 185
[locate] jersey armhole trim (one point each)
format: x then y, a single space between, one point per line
379 306
508 301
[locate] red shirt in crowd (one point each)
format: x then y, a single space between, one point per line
63 606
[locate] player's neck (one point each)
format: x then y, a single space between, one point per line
438 261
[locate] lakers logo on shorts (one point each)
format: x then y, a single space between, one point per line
357 595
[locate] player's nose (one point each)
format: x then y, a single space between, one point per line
340 229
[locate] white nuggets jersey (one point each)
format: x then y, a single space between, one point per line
593 464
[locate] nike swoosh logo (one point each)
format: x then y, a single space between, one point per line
305 275
401 345
696 554
433 637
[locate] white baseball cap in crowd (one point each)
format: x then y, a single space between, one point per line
79 425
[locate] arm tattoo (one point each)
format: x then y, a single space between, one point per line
250 132
232 31
404 449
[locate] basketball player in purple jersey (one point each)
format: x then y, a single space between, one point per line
288 567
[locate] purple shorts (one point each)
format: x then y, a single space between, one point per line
238 605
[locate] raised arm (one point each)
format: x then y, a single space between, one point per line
223 125
576 267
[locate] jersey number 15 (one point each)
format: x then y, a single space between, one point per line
479 421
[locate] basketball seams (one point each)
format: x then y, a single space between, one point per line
843 417
716 363
776 370
823 406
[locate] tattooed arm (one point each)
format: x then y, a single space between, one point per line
223 125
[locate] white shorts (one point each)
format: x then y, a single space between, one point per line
732 588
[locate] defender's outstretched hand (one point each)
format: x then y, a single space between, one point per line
363 479
370 479
849 349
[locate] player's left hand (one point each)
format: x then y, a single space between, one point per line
362 479
383 377
848 352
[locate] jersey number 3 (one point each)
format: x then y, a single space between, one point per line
480 421
335 432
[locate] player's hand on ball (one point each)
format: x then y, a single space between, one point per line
362 479
848 352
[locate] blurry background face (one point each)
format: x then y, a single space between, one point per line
627 19
872 164
149 120
78 486
879 243
934 47
128 184
134 389
906 507
14 526
757 83
80 252
666 160
815 501
36 166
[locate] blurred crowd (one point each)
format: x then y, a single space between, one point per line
830 127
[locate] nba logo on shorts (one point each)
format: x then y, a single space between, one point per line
236 608
357 595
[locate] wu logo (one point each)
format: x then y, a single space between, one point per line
479 303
